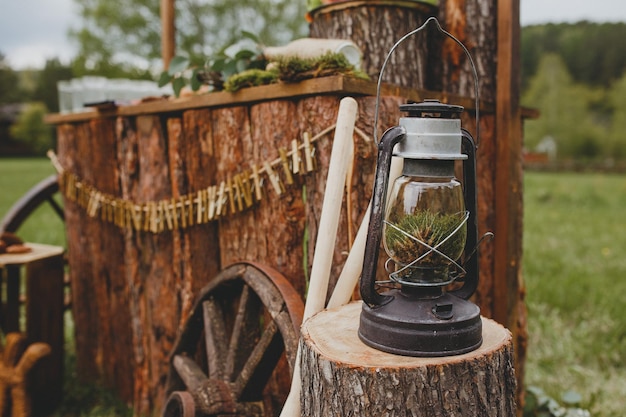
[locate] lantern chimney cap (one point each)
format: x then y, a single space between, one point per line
432 108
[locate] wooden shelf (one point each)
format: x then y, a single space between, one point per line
318 86
39 251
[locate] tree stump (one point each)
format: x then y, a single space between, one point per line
375 26
341 376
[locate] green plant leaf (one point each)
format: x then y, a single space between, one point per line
571 398
164 79
178 64
244 54
241 65
177 85
250 35
218 64
229 68
195 81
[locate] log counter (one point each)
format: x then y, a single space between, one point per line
134 279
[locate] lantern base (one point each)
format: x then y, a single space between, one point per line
428 327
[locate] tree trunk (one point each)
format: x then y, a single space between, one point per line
375 27
343 377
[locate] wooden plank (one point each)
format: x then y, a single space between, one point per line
39 251
509 308
44 323
12 302
313 87
508 178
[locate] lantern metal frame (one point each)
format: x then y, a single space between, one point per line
422 320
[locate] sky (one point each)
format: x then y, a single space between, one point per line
32 31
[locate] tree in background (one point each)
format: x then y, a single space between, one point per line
10 91
129 31
592 52
617 134
46 90
565 111
571 73
32 130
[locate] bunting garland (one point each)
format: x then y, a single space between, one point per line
231 196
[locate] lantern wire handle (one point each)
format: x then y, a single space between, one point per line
402 39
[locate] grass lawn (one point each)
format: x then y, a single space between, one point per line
574 268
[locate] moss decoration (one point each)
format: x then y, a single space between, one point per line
430 228
294 69
250 78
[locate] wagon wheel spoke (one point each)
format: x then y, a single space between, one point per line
245 332
189 372
215 335
260 363
56 207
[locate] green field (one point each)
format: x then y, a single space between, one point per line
574 268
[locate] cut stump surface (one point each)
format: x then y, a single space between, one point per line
341 376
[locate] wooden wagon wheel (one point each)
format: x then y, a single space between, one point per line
41 193
244 326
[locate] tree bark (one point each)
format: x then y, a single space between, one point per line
341 376
375 27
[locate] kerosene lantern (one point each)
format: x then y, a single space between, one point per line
427 227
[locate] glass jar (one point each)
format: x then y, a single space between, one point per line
425 229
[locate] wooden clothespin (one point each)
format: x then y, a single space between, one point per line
296 160
237 192
145 220
257 183
167 210
220 199
274 179
243 181
92 204
212 192
161 216
174 212
285 163
308 152
231 196
152 207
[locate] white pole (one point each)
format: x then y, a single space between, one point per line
340 158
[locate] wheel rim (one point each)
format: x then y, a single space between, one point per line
41 193
240 325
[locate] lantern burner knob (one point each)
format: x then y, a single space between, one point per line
432 108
